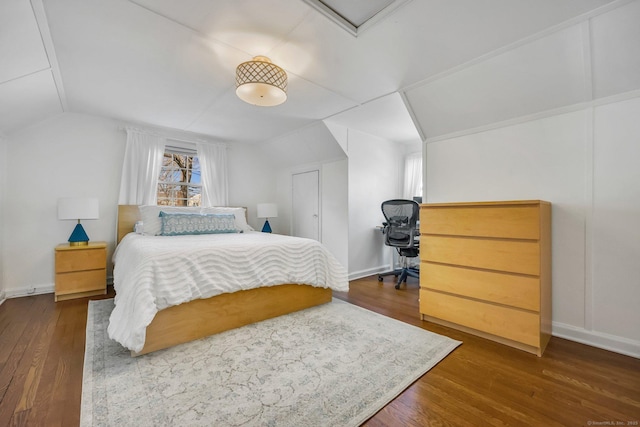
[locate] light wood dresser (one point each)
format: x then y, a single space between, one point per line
485 268
81 271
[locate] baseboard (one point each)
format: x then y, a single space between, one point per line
26 292
601 340
37 290
368 272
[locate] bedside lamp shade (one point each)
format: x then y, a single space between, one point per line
267 210
77 208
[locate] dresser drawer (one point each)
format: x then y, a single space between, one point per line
507 289
514 222
510 323
501 255
85 259
81 281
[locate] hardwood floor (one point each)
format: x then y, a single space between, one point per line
480 383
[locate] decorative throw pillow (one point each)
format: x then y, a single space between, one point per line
150 216
184 224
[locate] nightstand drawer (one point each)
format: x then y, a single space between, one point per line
81 281
74 260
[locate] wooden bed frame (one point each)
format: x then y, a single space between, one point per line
203 317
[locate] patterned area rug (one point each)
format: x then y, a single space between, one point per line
331 365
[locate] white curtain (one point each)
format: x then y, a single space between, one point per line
413 176
213 169
141 169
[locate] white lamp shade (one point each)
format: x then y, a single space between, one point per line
261 94
78 208
267 210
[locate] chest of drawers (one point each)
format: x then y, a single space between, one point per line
486 269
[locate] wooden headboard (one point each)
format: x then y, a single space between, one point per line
127 217
129 214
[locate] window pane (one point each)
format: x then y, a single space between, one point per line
194 196
179 180
195 172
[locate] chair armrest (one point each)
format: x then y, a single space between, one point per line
385 227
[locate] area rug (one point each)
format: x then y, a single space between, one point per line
332 365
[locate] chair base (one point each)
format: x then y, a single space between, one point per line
403 273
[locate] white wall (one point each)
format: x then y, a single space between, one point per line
81 155
375 175
335 209
542 159
66 156
252 180
555 118
614 308
595 192
311 144
312 148
334 232
351 189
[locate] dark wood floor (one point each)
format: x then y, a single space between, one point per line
480 383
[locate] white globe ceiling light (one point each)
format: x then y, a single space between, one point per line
260 82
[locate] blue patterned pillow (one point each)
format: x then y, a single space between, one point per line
183 224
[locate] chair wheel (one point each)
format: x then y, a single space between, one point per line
398 286
379 278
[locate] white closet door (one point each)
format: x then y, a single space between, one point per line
306 204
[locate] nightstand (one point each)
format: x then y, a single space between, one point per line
81 271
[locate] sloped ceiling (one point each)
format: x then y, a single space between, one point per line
171 64
28 90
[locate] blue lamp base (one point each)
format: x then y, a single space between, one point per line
79 236
266 228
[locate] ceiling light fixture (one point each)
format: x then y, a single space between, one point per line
260 82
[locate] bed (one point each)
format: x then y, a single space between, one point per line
171 317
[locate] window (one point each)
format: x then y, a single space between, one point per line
179 181
413 176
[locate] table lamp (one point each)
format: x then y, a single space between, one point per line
78 208
267 210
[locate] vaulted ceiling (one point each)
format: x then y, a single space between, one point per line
171 63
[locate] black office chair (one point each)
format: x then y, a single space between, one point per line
400 230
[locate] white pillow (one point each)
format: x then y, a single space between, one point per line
150 216
240 214
152 224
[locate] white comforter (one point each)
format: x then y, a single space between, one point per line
155 272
